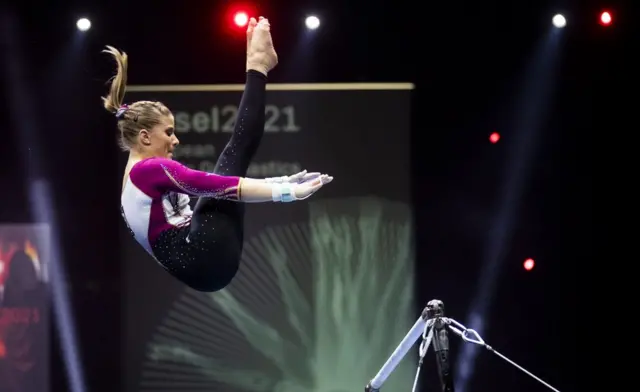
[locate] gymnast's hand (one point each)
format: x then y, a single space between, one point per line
307 188
301 177
297 178
261 55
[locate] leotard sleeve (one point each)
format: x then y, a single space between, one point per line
161 175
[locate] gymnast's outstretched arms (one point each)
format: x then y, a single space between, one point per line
166 175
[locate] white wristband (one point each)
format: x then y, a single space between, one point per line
282 193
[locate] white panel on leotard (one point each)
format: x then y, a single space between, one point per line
136 206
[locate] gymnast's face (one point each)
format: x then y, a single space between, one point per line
161 140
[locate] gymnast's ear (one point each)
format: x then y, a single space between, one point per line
145 137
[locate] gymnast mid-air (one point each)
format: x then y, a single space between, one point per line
200 247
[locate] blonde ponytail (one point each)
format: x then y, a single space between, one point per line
115 99
137 115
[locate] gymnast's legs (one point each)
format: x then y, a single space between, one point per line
217 226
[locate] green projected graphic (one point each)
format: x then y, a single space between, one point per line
316 307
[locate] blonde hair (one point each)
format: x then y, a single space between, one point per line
135 117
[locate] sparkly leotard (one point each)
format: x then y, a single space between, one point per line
156 194
202 248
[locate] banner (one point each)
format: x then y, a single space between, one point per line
24 308
324 291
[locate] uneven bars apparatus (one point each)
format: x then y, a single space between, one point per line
432 326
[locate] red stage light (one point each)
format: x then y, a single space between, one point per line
241 19
605 18
529 264
494 137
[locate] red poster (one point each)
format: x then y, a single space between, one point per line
23 308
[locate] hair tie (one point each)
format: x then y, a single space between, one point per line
121 111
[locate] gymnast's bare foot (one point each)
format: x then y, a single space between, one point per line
261 55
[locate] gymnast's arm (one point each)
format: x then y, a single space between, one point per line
166 175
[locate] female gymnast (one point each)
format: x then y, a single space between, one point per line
201 248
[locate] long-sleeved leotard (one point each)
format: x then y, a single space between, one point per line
147 202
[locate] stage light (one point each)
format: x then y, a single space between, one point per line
83 24
312 22
494 137
605 18
559 21
241 19
529 264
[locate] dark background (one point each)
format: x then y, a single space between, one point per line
467 60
